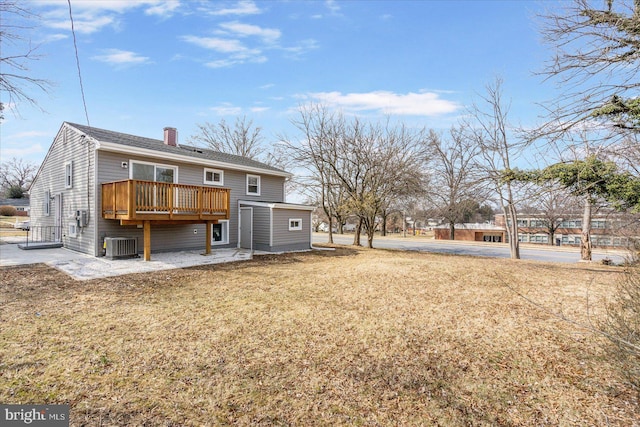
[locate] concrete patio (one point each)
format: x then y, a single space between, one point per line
85 267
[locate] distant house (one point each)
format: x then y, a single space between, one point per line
21 205
97 185
608 230
472 232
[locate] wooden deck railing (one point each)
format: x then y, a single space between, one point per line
148 200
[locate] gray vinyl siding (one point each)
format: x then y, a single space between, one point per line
163 237
283 238
180 237
261 228
271 188
271 229
66 147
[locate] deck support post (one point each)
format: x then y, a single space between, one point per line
147 240
208 237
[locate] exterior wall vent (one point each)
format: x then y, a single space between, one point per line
120 247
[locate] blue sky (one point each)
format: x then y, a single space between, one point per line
150 64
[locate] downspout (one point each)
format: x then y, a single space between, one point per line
310 231
97 247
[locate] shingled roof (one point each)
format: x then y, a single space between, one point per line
104 135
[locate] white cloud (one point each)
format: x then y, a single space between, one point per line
414 104
54 38
163 9
259 109
236 59
22 151
333 6
226 109
243 7
117 6
121 57
222 63
90 16
245 43
82 23
215 43
237 52
28 134
268 35
301 48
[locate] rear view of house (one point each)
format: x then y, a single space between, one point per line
98 190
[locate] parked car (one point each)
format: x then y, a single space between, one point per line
324 227
22 225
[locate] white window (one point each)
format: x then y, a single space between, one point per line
73 229
144 171
213 176
220 233
253 185
68 175
47 203
295 224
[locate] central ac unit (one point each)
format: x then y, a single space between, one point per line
120 247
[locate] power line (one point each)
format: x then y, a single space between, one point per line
84 104
75 45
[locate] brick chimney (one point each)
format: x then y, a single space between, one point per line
171 136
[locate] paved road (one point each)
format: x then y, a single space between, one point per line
494 250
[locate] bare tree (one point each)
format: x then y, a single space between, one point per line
595 61
242 139
16 176
319 129
498 146
454 177
596 64
552 204
359 167
378 164
15 55
622 326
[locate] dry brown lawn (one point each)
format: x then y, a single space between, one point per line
351 337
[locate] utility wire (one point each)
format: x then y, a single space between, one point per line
84 104
75 45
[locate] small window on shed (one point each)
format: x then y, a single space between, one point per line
295 224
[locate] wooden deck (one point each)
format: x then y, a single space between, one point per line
132 201
148 203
